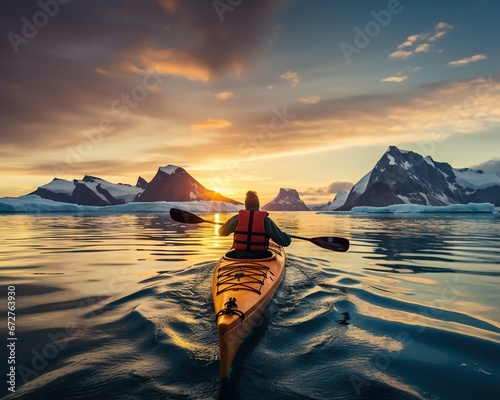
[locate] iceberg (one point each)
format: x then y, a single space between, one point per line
35 204
417 208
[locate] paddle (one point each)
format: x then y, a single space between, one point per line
326 242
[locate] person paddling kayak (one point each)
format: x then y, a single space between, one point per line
252 230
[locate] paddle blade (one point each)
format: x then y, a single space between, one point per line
186 217
331 243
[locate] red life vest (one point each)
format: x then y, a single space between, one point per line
250 233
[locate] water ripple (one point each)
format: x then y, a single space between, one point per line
119 307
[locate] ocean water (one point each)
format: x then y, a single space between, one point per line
119 307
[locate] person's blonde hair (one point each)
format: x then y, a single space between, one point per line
252 200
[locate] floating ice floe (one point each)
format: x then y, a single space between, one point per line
35 204
416 208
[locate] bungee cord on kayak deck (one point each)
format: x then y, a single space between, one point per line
229 277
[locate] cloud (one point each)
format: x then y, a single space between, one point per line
443 26
425 113
440 30
465 61
90 55
423 48
168 62
433 112
401 54
422 42
89 65
401 76
339 186
310 100
218 45
291 77
412 39
492 166
224 95
437 35
331 189
211 124
396 79
198 45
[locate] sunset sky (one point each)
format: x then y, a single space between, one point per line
244 94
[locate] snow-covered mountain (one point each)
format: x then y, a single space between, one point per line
287 200
90 191
337 202
173 183
401 177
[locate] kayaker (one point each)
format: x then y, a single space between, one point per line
252 230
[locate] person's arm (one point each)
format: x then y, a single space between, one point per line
280 237
229 226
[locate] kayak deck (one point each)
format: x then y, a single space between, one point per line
230 276
241 290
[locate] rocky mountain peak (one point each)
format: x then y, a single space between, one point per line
287 200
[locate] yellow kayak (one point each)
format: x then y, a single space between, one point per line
241 291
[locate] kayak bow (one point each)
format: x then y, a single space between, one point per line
241 291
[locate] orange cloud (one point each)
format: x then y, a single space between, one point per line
310 100
465 61
174 62
423 48
169 5
291 77
420 41
395 79
224 95
211 124
401 54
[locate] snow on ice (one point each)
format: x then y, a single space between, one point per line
35 204
417 208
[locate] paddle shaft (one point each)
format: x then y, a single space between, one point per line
300 237
326 242
213 222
